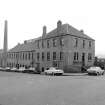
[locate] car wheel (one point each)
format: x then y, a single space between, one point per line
98 73
52 73
45 73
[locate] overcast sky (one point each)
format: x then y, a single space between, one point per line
27 17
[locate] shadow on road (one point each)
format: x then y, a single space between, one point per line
75 74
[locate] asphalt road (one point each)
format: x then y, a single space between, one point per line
35 89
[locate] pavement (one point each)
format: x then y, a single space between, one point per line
35 89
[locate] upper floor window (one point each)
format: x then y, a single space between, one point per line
38 44
16 55
29 55
26 56
48 56
83 43
23 56
42 44
54 55
61 41
32 55
90 44
54 43
20 55
76 42
48 43
38 56
76 55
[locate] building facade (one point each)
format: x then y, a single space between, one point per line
64 47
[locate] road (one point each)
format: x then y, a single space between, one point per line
35 89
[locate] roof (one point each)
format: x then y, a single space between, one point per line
68 29
23 47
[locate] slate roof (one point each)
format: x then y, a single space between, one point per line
23 47
68 29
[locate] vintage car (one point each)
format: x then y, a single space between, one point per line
54 71
7 69
14 69
21 69
95 70
1 68
29 70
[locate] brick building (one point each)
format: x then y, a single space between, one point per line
64 47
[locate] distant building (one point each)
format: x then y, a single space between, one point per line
100 62
64 47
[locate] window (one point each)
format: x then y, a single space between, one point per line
83 43
61 55
16 55
38 56
61 42
90 44
26 56
48 44
20 55
54 42
48 56
76 42
23 56
32 56
89 56
76 55
42 44
38 44
42 56
54 55
29 55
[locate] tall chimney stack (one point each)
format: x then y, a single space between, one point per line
59 24
5 47
44 30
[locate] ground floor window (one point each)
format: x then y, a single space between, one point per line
61 55
54 55
76 55
89 56
48 56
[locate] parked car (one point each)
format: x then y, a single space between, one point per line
95 70
21 69
7 69
54 71
29 70
1 69
14 69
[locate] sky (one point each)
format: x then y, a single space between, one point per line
27 17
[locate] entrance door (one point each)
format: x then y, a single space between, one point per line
55 64
83 59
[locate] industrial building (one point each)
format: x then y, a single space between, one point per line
64 47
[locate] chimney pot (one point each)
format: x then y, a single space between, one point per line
59 24
44 30
82 31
